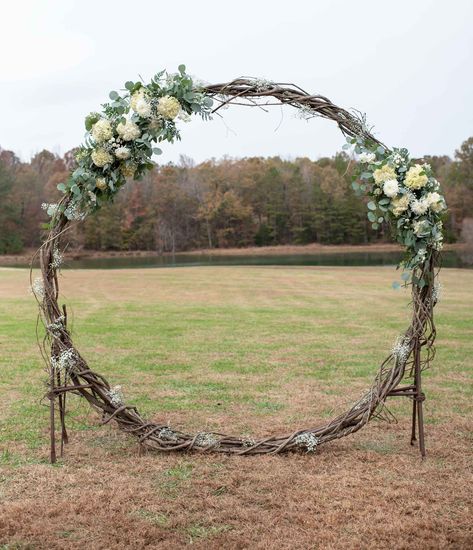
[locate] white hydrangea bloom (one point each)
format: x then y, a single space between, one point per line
101 157
416 177
102 130
400 205
168 107
128 131
391 188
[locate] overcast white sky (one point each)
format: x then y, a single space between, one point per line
407 64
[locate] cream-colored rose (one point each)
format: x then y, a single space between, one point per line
101 157
168 107
128 131
384 173
102 130
415 179
400 205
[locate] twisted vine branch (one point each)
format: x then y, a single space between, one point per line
80 379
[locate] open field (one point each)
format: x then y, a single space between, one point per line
246 351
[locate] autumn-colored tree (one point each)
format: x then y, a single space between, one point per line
218 203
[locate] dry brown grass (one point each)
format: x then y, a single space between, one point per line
368 491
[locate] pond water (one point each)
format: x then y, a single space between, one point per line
449 259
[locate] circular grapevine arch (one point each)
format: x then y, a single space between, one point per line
120 143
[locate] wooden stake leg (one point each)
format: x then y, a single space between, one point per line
420 417
52 419
414 421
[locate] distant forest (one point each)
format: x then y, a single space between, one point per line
217 204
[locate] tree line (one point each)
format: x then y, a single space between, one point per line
217 204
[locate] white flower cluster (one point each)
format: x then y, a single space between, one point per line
262 84
367 158
116 396
168 107
72 212
401 349
405 194
37 288
437 292
51 209
56 326
305 112
205 439
166 434
307 440
57 259
140 103
128 130
366 398
102 130
65 361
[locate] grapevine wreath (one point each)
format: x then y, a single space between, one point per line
119 145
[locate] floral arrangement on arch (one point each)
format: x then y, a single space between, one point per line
120 141
404 194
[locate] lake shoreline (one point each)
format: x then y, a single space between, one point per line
280 250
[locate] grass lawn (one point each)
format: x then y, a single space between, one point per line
250 351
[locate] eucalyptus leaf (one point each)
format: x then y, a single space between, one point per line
371 205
